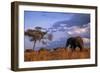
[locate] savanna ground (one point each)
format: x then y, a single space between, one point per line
58 54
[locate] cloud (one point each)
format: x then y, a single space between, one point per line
86 40
62 25
76 30
57 43
76 20
60 28
54 30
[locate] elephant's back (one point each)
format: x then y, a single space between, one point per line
71 40
79 39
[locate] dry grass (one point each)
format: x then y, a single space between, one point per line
58 54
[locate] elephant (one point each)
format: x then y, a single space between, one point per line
74 42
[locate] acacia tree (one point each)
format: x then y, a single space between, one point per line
36 34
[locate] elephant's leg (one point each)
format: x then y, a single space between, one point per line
73 47
81 48
67 44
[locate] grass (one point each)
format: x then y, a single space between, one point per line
57 54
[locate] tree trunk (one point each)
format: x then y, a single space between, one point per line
34 45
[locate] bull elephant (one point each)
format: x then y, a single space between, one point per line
74 42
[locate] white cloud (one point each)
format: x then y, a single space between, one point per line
70 32
65 28
59 28
54 29
63 25
75 30
86 40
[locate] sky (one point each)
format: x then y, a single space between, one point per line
60 25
